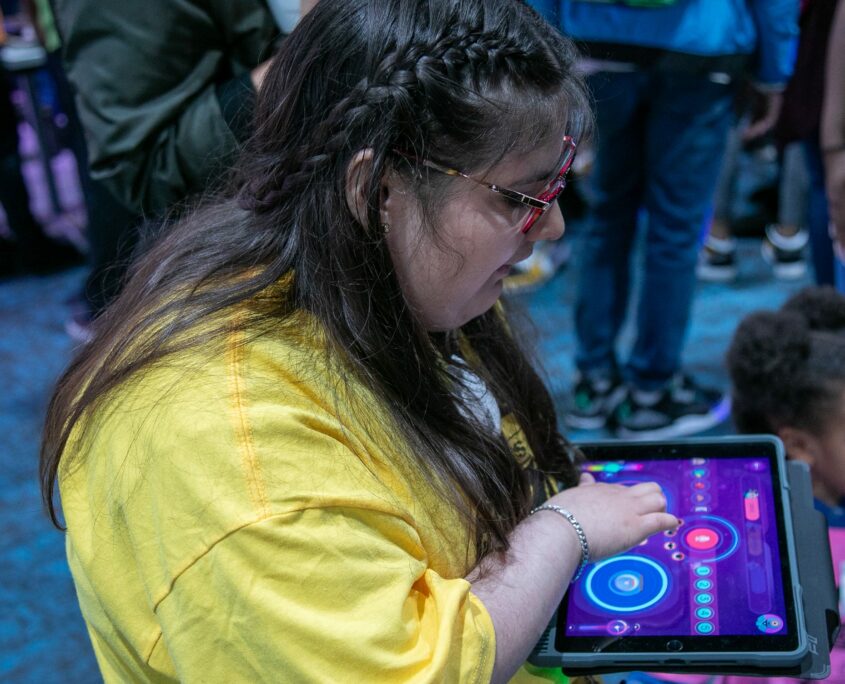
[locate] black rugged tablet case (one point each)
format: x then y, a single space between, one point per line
815 573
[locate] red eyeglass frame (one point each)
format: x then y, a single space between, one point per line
539 205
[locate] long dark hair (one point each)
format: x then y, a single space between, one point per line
460 81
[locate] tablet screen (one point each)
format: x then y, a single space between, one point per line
721 581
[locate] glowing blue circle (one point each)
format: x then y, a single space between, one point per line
652 568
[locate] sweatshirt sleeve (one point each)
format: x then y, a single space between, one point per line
777 41
163 110
325 594
549 9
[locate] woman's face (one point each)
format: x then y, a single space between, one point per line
456 275
829 468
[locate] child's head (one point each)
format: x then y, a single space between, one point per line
788 373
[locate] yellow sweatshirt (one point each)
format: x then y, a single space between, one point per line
241 513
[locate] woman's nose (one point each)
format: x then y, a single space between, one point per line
550 226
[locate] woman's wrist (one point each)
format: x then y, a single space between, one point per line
579 531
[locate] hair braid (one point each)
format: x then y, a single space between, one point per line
399 81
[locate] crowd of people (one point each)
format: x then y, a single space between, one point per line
299 406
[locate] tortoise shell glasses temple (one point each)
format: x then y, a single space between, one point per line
515 195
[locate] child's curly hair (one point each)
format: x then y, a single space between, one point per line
787 367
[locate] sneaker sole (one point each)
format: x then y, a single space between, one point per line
683 427
716 274
597 422
585 423
782 270
790 271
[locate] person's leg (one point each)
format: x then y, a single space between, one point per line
614 199
821 248
722 197
793 189
685 139
32 249
112 229
112 236
784 244
717 255
14 195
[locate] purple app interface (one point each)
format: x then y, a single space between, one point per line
719 573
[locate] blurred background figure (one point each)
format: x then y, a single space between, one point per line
165 92
762 191
110 228
833 141
164 120
28 249
796 133
663 74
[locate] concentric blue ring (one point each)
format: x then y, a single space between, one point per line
655 583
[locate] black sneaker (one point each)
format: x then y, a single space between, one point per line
785 253
681 408
593 400
717 260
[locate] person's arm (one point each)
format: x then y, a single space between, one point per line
777 40
549 9
521 589
341 593
348 593
833 129
163 111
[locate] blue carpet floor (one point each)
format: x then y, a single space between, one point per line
42 636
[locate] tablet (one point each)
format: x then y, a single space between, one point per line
721 589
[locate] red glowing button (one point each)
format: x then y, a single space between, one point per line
702 539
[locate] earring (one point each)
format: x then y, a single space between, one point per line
385 227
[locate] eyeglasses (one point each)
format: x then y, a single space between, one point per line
526 210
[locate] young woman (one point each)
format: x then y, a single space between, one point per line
303 445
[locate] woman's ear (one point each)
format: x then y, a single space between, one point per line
800 445
393 195
358 175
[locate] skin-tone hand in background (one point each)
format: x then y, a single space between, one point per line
305 6
765 120
522 588
258 73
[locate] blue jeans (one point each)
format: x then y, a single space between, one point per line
660 141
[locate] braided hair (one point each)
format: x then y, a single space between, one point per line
461 81
787 367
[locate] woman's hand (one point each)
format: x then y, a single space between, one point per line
522 588
614 517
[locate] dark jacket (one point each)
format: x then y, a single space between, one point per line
163 89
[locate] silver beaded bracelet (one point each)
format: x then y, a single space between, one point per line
582 538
